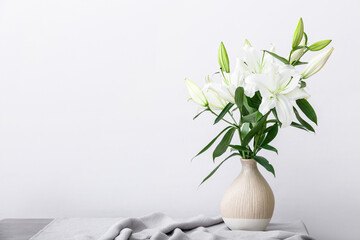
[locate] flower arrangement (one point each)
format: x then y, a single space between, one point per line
264 92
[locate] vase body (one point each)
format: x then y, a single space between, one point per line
248 204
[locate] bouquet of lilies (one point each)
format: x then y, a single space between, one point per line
262 93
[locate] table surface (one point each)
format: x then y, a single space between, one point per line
21 229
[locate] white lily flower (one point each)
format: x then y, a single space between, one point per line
278 88
215 101
225 84
225 90
316 63
196 93
250 72
252 63
297 53
249 64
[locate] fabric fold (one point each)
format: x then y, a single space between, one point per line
158 226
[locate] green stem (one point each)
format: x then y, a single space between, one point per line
290 55
272 120
242 153
232 117
291 52
223 118
256 149
294 63
225 79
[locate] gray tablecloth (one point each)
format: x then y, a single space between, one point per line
158 226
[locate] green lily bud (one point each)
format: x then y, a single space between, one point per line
223 58
319 45
247 43
298 34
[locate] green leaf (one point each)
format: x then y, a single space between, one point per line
255 101
247 108
224 143
215 169
270 148
250 117
239 148
298 34
212 142
272 121
223 112
319 45
223 58
239 97
200 113
254 130
268 128
299 63
273 130
245 129
260 140
265 163
244 111
302 121
302 84
284 60
276 116
307 109
294 124
258 116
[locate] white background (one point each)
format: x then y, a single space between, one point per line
94 120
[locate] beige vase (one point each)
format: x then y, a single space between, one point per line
248 204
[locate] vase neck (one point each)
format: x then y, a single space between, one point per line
248 165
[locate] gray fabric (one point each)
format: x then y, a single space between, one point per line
158 226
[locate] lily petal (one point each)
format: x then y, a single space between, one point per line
267 104
297 93
236 74
214 100
284 111
222 90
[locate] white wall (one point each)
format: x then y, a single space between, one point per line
94 119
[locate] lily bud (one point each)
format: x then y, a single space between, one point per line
195 93
247 43
316 63
223 58
297 53
298 34
319 45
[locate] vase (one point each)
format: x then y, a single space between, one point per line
248 204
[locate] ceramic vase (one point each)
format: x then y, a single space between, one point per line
248 204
